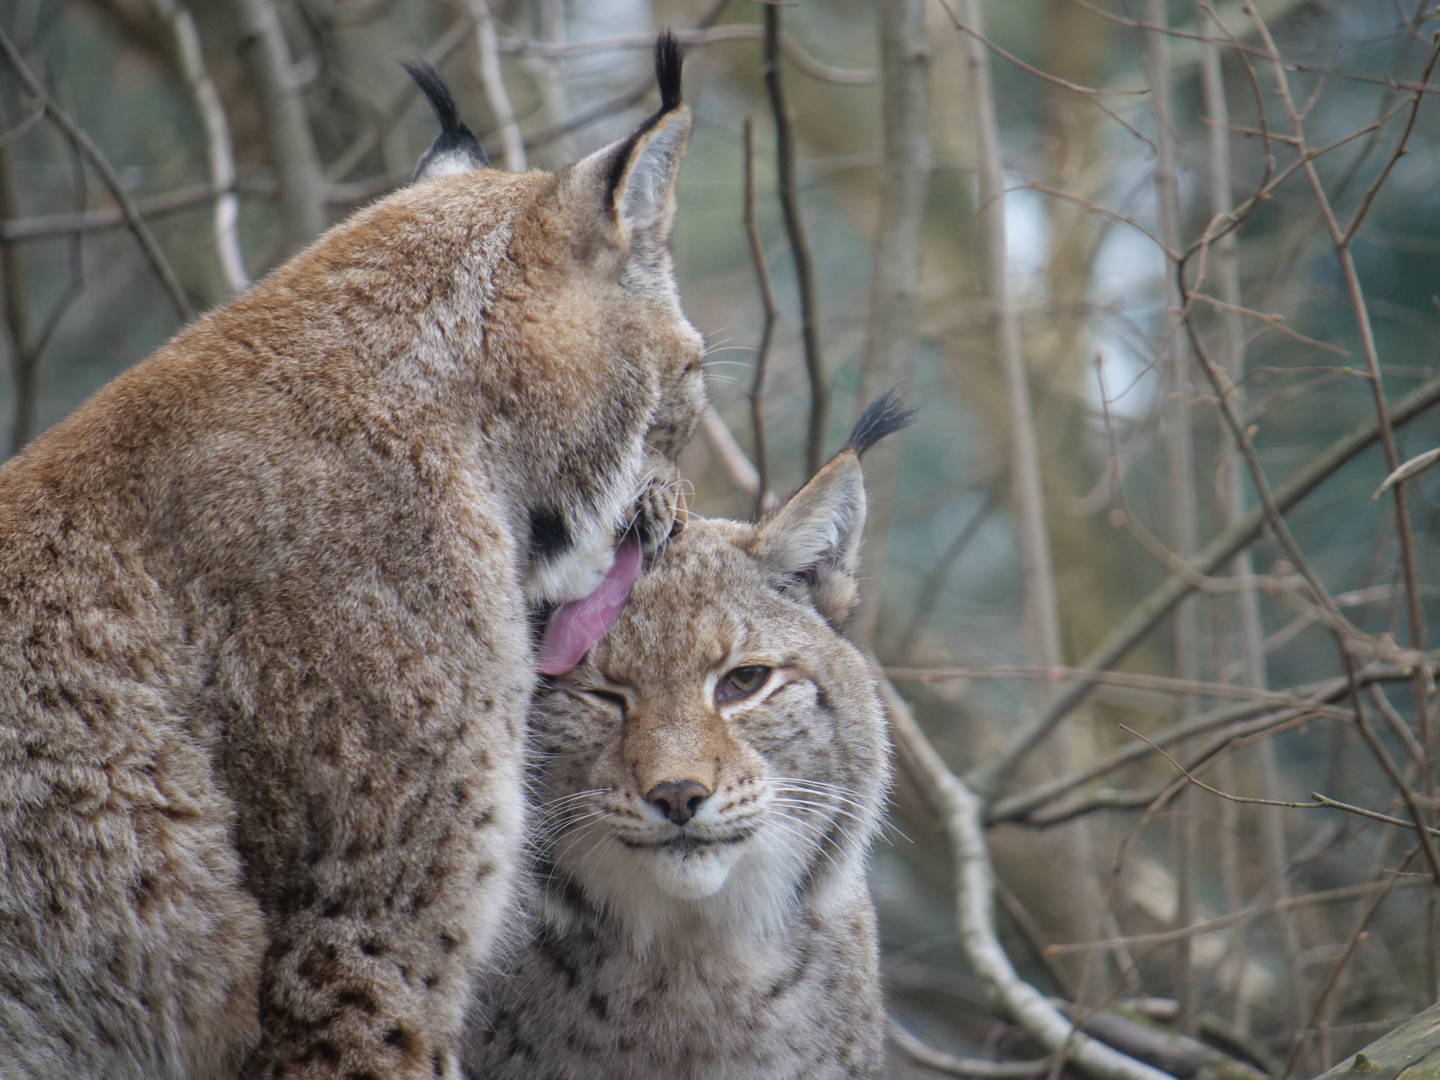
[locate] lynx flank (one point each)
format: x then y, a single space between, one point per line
264 659
707 783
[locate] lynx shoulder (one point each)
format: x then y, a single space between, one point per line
264 646
706 786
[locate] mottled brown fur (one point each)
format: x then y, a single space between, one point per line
738 942
264 654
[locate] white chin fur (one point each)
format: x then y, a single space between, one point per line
692 875
573 575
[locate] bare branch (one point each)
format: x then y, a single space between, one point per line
695 38
292 145
494 84
217 140
148 244
799 245
960 813
895 286
767 333
1145 615
976 1068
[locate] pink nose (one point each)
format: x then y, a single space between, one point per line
678 799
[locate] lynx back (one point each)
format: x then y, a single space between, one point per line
264 645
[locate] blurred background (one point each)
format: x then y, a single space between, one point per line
1162 278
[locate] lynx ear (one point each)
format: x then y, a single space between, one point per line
640 180
630 185
455 149
812 543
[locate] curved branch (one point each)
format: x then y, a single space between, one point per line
148 244
191 62
960 811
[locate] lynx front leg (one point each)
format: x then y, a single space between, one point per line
380 833
371 959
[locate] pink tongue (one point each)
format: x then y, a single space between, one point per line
577 625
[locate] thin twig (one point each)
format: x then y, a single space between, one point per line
148 244
893 332
767 332
1164 937
799 245
1145 615
1310 697
292 143
742 473
718 35
977 1068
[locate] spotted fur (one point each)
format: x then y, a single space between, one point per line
264 650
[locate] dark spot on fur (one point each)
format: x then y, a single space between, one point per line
333 910
326 1051
371 947
599 1006
447 943
430 981
397 1037
486 816
437 1065
357 999
549 533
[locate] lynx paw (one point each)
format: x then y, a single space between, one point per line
660 511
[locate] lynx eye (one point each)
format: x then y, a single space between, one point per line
741 683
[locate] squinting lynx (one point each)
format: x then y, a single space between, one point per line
264 649
706 786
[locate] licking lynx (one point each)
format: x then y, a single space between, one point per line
264 643
706 785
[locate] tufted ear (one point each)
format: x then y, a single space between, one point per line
455 149
630 184
812 543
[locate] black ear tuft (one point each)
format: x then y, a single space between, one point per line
667 74
885 415
455 149
667 70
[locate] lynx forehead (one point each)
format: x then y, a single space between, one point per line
264 646
706 783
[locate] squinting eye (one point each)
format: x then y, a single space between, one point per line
741 683
609 696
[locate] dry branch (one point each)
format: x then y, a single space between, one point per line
960 812
767 332
292 144
799 244
148 244
191 61
895 290
1147 614
493 81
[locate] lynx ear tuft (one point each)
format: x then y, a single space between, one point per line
668 59
640 182
455 149
887 414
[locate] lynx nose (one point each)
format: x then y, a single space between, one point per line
678 799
